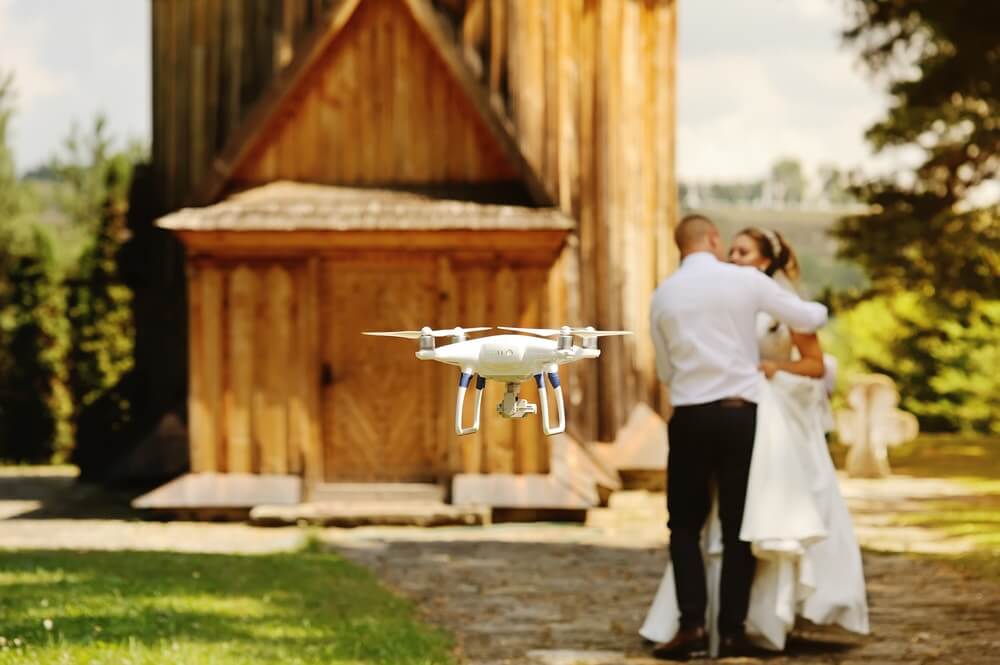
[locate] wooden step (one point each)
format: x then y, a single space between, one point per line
374 492
356 513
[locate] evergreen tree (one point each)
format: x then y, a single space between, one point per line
34 399
99 307
934 229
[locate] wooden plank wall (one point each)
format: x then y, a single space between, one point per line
528 296
379 108
591 90
261 328
211 60
254 394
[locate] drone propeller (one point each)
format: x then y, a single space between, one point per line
585 333
417 334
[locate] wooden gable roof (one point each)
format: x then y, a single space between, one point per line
378 96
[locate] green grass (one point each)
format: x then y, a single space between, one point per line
146 608
972 461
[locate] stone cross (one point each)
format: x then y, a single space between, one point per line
872 425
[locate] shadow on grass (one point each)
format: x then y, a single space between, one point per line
296 606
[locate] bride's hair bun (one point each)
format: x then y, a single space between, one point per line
775 249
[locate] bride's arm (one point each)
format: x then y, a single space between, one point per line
810 362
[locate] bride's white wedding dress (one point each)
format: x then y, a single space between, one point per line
808 560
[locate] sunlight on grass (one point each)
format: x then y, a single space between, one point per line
141 608
972 461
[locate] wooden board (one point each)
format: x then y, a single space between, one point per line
361 93
242 295
222 490
384 426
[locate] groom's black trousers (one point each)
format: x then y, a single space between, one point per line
709 441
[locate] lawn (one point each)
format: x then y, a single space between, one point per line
146 608
972 461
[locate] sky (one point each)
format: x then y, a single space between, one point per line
757 80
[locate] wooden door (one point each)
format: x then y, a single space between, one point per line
378 401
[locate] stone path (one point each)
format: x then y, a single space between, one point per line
544 594
549 595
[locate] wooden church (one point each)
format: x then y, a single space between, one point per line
336 166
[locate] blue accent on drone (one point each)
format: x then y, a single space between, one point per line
554 379
480 382
463 380
538 381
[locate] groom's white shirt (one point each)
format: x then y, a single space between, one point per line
703 322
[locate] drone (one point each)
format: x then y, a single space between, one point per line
510 359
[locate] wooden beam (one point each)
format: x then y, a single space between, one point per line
310 322
242 294
531 246
429 24
258 119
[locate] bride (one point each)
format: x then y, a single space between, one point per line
808 560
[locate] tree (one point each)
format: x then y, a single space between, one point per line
928 229
99 306
34 402
96 180
834 185
787 182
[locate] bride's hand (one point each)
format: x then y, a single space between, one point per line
769 367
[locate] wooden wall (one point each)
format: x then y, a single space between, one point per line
590 88
379 107
212 59
283 382
253 401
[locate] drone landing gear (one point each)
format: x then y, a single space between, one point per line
511 406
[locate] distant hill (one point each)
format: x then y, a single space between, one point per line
807 232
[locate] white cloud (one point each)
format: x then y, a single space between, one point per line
821 10
781 87
72 59
20 54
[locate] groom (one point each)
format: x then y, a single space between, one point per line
703 323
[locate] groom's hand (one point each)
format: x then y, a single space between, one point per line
769 367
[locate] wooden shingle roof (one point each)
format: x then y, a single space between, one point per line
291 206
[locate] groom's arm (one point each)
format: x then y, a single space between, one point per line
787 307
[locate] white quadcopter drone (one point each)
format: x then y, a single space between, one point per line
511 359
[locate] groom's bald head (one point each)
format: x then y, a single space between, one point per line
697 233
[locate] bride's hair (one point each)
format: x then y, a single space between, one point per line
773 247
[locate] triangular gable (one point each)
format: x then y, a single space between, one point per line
378 96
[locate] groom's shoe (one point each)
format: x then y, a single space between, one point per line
687 643
732 646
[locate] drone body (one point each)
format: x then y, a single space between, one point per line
510 359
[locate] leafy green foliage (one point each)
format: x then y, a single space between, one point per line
99 312
296 608
73 306
34 403
928 231
944 363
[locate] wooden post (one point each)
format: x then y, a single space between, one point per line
239 369
498 45
475 281
205 294
447 453
275 337
309 317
